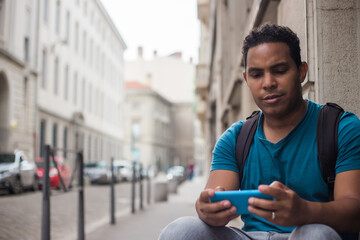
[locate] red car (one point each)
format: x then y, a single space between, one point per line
63 169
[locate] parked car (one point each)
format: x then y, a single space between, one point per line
176 172
62 169
125 169
100 173
17 172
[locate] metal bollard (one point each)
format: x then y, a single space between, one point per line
148 186
45 224
133 188
112 194
141 186
81 226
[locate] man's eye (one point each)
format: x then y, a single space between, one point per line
280 71
255 75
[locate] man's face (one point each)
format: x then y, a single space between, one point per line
274 79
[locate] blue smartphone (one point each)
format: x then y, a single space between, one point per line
239 199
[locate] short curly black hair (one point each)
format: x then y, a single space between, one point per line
273 33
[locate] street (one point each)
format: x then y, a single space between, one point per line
21 214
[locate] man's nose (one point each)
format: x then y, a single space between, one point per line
269 81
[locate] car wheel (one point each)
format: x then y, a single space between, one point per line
17 187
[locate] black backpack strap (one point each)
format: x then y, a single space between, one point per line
244 140
326 138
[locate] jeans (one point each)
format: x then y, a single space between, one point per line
192 228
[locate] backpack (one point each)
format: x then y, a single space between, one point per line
326 138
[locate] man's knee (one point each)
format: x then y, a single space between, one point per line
314 231
184 228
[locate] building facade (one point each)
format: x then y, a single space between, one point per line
61 78
169 75
80 87
172 124
148 122
329 34
158 133
18 75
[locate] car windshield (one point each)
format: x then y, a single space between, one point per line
7 158
41 164
95 165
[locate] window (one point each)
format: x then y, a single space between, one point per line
91 53
96 153
57 17
25 94
65 142
43 69
26 49
42 137
75 88
89 148
76 37
90 97
46 10
102 105
92 17
136 105
102 64
85 8
84 45
66 82
83 94
96 101
67 30
54 135
136 131
56 75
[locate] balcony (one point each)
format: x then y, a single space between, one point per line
202 80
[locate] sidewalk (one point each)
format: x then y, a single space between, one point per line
147 223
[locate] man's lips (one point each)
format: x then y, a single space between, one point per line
272 98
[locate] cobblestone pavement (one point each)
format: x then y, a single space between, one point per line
21 214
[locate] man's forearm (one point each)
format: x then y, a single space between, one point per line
343 215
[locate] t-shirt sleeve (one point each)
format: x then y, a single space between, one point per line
224 150
348 143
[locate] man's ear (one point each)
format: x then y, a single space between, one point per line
303 71
245 77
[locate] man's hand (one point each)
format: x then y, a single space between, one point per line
288 209
215 214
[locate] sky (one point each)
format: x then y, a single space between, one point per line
166 26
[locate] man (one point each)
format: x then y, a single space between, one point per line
282 160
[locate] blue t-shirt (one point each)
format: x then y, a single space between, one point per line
292 161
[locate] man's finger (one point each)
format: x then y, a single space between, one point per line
277 190
206 194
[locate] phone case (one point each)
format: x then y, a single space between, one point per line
239 199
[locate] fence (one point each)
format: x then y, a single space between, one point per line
65 186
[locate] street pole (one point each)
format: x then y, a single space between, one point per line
81 214
112 194
133 188
148 186
141 186
45 231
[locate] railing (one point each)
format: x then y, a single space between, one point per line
45 224
78 169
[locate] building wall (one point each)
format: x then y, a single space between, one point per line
183 134
147 128
170 76
329 34
17 75
80 85
173 79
